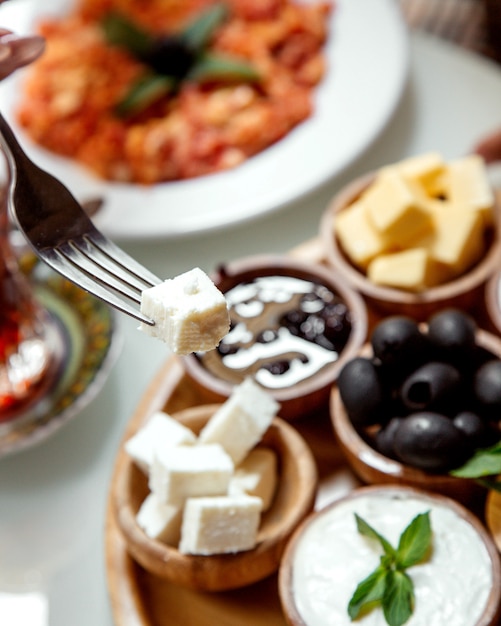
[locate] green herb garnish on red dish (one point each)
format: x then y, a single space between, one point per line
389 585
173 58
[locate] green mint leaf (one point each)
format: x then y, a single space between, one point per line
371 589
222 68
389 584
119 31
398 598
485 462
198 33
143 93
414 542
365 529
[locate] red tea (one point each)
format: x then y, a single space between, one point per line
24 354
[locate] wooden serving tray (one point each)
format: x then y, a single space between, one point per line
140 599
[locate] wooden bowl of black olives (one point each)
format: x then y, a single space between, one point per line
418 401
416 284
293 326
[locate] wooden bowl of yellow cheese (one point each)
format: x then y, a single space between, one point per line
416 236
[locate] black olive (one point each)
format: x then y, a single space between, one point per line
397 340
361 391
473 426
452 333
431 442
433 386
385 437
487 387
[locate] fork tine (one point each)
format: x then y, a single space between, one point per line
60 264
121 258
76 253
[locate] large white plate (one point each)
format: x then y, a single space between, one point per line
368 62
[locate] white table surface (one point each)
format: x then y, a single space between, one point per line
53 497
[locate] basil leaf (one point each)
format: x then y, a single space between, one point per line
371 589
120 31
494 485
398 599
199 33
414 542
485 462
218 67
143 93
365 529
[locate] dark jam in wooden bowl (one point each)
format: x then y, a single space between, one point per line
292 327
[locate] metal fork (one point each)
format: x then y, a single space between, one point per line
62 235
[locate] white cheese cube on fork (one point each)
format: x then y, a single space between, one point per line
241 421
161 430
256 476
189 311
185 471
160 521
220 525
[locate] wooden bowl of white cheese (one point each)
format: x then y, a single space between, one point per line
400 252
291 502
458 577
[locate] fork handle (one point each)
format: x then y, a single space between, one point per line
9 143
44 209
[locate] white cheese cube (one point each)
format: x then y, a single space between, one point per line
256 476
184 471
160 521
161 430
189 311
220 525
241 421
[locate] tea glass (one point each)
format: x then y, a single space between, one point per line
30 343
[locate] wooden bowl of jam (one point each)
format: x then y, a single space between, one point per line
418 401
447 286
293 326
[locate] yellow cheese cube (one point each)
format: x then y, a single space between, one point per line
437 186
470 187
422 168
427 170
413 270
395 209
458 237
357 237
